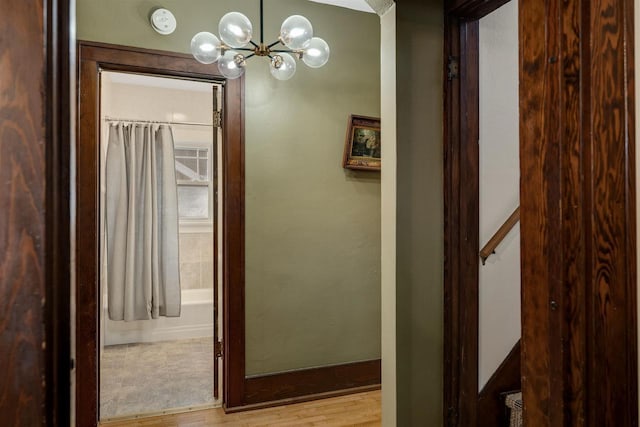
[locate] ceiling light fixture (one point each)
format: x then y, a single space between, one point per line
236 34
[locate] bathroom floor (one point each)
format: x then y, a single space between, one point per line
152 377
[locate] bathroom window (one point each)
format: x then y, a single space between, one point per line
195 184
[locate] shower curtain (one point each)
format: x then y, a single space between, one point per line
143 276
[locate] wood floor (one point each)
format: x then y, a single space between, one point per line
363 409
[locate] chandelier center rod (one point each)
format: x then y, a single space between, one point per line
261 23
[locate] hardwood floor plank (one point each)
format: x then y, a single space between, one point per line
362 409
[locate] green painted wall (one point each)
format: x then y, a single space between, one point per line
312 228
419 274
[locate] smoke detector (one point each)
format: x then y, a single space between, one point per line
163 21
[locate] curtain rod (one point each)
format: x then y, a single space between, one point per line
160 122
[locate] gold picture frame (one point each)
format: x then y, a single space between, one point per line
362 144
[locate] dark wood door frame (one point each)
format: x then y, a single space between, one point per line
461 201
578 213
35 147
578 217
93 58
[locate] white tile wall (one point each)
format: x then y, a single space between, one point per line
196 260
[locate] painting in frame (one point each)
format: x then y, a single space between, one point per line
363 144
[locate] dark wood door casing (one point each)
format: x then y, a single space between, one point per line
22 218
461 201
93 58
578 231
578 214
35 141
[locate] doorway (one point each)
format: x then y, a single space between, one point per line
214 157
154 362
482 356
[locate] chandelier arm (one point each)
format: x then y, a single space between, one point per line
249 56
273 44
285 51
244 49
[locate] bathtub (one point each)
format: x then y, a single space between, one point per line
195 321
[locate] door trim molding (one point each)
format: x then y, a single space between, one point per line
578 228
578 224
461 204
35 220
92 58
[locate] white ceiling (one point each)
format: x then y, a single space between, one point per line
361 5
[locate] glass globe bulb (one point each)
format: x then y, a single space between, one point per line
296 30
205 47
316 53
283 66
235 29
231 64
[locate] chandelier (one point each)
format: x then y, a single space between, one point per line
235 46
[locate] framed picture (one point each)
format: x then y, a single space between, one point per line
362 146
